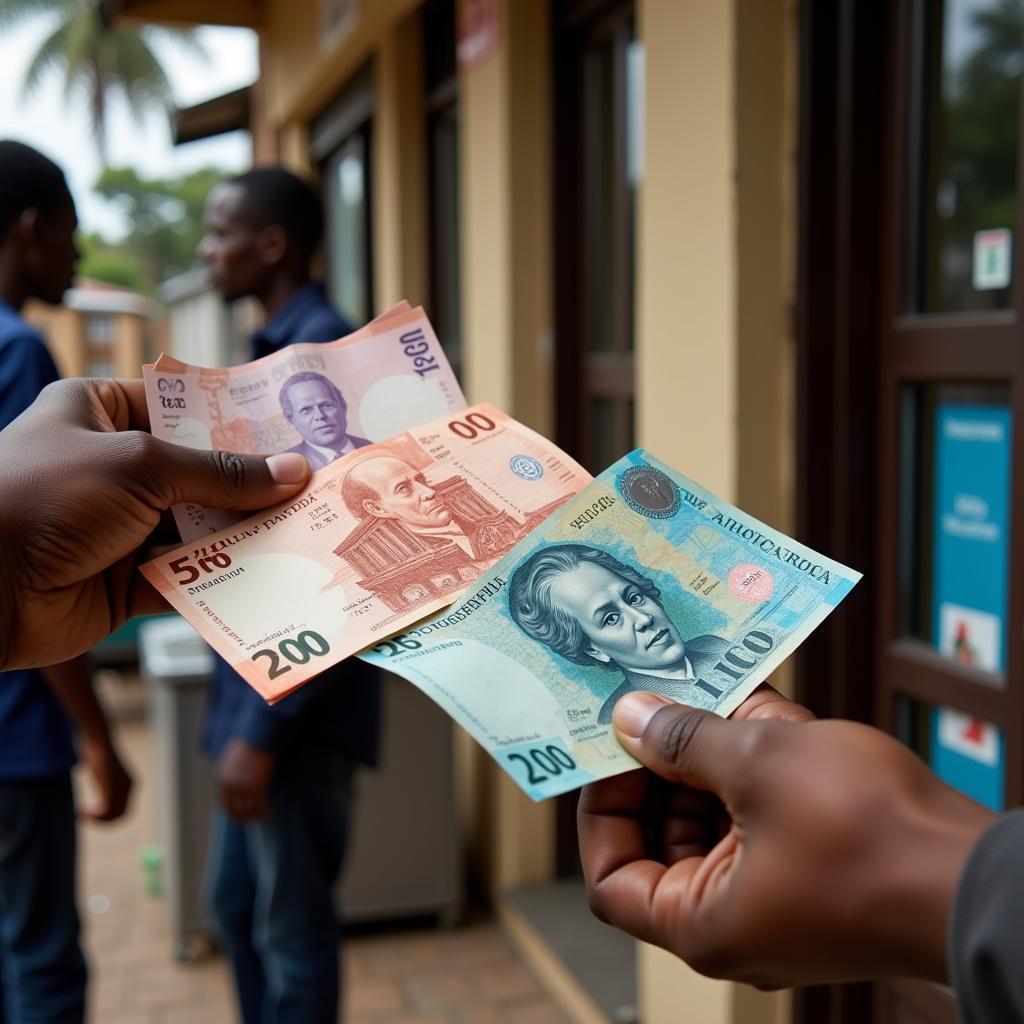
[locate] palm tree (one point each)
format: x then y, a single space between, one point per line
99 57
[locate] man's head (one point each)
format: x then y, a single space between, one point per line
590 608
37 221
316 409
259 225
389 488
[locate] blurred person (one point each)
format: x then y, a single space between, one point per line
780 853
42 969
285 771
319 412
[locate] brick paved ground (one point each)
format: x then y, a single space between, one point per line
465 976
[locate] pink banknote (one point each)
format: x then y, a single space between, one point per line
319 400
381 537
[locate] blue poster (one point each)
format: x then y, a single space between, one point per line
971 573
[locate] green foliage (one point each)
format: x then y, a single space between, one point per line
166 218
103 261
97 57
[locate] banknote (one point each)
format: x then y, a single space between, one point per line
318 400
642 581
379 538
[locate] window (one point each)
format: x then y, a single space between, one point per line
340 142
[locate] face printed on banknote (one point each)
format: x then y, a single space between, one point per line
643 581
316 409
591 608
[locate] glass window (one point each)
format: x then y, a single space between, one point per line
346 182
99 329
966 117
955 522
441 87
966 752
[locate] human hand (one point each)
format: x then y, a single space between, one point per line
243 773
775 852
82 486
113 781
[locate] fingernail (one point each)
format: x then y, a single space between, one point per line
634 712
288 468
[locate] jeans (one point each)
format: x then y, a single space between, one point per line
41 964
270 888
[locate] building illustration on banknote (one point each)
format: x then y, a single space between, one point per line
418 540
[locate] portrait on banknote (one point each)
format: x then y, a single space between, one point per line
419 536
317 410
593 609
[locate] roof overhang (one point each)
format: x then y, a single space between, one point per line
238 13
227 113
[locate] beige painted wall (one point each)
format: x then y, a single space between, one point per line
506 315
62 330
714 353
305 71
399 167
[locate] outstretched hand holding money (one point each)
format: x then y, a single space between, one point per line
776 852
82 487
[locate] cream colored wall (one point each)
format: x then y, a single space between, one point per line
714 283
399 167
62 329
302 74
129 345
506 315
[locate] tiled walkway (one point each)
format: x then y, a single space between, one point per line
467 975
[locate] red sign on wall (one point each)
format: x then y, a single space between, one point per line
478 32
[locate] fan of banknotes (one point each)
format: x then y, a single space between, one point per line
461 550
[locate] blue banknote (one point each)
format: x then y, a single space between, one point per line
642 581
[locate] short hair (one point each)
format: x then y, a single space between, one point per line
533 610
28 181
299 378
274 196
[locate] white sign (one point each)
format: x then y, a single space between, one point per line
992 259
969 736
969 636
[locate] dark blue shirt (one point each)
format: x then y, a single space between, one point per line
35 734
340 708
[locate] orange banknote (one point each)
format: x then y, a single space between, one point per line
379 538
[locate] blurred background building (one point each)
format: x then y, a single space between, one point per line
774 241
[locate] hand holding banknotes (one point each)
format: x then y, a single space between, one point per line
83 488
776 852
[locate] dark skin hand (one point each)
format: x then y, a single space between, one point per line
82 487
776 851
243 773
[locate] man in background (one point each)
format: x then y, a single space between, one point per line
284 771
42 969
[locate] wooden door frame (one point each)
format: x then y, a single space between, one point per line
841 142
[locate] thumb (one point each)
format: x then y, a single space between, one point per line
227 480
677 742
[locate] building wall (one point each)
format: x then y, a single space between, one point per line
715 277
714 352
63 328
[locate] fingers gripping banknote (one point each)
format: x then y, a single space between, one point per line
318 400
643 581
380 537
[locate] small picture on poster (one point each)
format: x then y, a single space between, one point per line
969 636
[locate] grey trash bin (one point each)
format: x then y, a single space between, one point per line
177 664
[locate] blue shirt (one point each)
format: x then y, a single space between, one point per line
35 733
339 709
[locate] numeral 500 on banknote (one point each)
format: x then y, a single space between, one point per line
381 537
